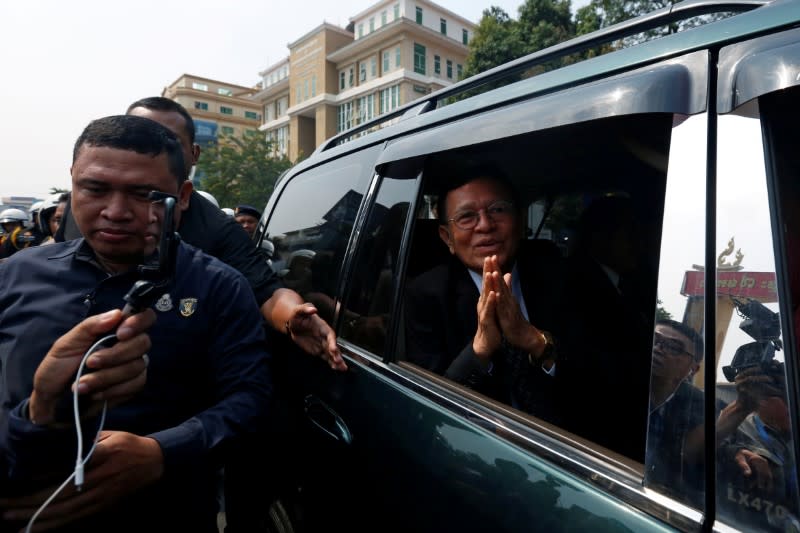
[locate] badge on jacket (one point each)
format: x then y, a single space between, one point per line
188 306
164 303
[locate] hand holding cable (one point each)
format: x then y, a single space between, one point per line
119 370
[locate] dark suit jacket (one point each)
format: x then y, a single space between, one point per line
609 342
441 320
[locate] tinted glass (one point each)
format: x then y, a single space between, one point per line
370 301
311 226
757 469
589 201
674 460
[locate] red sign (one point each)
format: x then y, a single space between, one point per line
759 285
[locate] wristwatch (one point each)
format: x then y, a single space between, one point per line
549 351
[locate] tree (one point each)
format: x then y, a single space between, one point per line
499 39
241 170
496 41
544 23
661 313
602 13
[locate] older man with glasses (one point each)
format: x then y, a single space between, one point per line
487 318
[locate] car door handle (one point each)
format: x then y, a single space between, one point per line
327 420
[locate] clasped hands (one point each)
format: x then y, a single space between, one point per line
499 316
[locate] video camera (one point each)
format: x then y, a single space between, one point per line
762 325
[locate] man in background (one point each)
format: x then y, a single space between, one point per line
247 217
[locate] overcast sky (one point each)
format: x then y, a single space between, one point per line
66 62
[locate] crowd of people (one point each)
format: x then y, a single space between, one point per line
23 229
183 390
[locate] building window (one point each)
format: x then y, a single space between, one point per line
224 92
283 106
227 130
372 24
437 65
226 110
397 57
351 82
201 105
250 133
464 36
199 86
366 108
297 95
419 15
314 85
384 18
390 99
251 115
449 69
341 80
460 70
362 71
360 30
373 67
282 138
396 11
385 62
345 117
269 112
443 26
419 58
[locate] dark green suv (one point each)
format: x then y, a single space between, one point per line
696 135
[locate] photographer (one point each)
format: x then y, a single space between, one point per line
756 452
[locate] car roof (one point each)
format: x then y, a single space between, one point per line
754 17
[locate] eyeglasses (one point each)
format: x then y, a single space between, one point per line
670 346
499 211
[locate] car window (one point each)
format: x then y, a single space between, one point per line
370 301
312 223
675 460
591 196
756 303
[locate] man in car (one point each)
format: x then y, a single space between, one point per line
485 318
154 467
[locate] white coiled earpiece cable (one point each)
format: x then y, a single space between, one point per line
80 461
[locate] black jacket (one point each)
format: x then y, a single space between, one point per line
441 320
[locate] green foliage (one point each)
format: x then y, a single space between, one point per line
496 41
602 13
544 23
241 170
499 39
661 313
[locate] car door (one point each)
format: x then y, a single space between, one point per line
392 445
431 454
